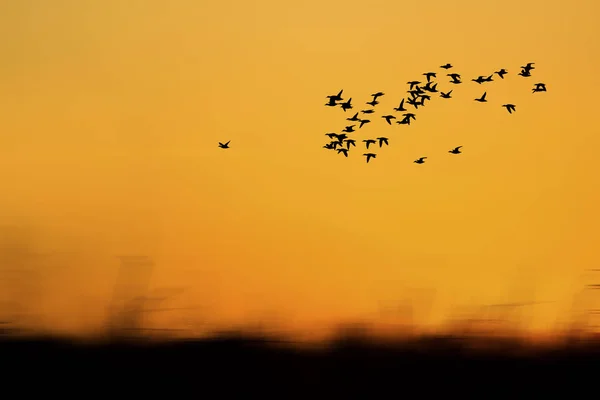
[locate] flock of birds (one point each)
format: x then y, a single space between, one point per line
419 93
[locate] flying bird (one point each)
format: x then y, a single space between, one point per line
331 103
336 97
528 67
364 121
455 150
369 141
331 135
349 128
509 107
347 105
372 103
409 116
420 160
383 140
524 73
224 146
429 75
376 95
404 121
446 95
446 66
367 111
388 118
480 79
482 98
400 108
354 118
501 73
489 78
539 87
342 150
341 137
350 142
370 155
413 84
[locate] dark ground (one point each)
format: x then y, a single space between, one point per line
236 367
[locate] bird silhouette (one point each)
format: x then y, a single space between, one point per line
330 146
376 95
528 67
539 87
525 73
367 111
409 116
336 97
344 151
354 118
367 142
224 146
341 137
413 84
501 73
331 103
429 75
347 105
509 107
480 79
446 95
490 78
372 103
350 142
482 98
388 118
383 140
455 150
331 135
404 121
364 121
370 155
349 128
420 160
446 66
400 108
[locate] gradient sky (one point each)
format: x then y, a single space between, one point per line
111 110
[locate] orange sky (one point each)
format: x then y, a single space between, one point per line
110 114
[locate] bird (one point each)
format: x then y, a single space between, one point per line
382 140
446 66
524 73
400 108
446 95
336 97
528 67
455 150
364 121
224 146
350 142
429 75
409 116
404 121
480 79
330 146
501 73
331 103
482 98
420 160
539 87
368 142
413 84
372 103
349 128
367 111
370 155
341 137
388 118
342 150
509 107
331 135
489 78
354 118
376 95
347 105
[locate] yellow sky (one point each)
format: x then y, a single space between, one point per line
110 114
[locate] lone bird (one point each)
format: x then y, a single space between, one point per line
368 142
370 155
342 150
539 87
367 111
349 128
354 118
446 66
383 140
455 150
455 78
420 160
446 95
400 108
347 105
482 98
350 142
509 107
224 146
388 118
501 73
364 121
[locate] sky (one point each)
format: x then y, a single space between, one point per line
111 112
